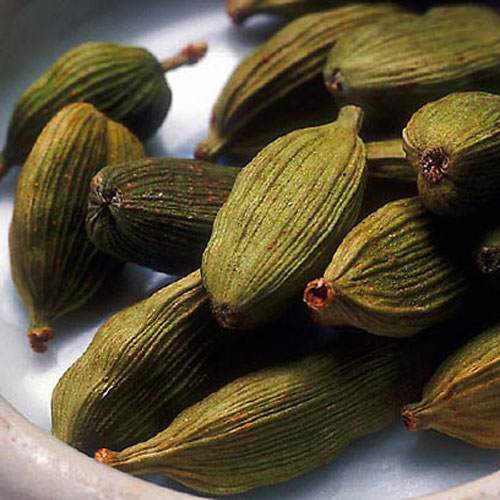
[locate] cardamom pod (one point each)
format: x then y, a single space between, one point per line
393 275
125 83
454 146
157 212
387 160
279 423
55 267
240 10
144 365
488 253
294 55
391 69
463 397
288 210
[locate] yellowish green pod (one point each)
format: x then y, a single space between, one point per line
288 210
463 397
454 146
55 267
395 274
282 422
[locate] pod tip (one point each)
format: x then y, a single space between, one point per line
409 419
104 456
318 294
227 316
38 338
434 165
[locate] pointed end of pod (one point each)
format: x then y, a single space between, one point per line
335 82
104 456
227 316
409 419
351 117
236 11
38 338
434 165
189 55
488 260
210 148
318 294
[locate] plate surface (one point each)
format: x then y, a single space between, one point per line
391 465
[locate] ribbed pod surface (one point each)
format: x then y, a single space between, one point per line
157 212
393 68
279 423
144 365
294 55
393 275
463 397
288 210
54 266
454 146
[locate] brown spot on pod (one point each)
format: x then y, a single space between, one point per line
434 165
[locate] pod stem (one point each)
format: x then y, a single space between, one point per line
39 336
434 165
352 117
318 294
237 10
104 456
210 148
409 419
189 55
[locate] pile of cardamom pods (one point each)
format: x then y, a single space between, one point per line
363 198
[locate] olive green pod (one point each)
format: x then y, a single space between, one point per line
387 160
488 253
288 210
294 55
463 397
391 69
157 212
454 146
395 274
55 267
279 423
144 365
240 10
127 84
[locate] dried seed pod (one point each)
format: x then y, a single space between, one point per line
454 146
293 56
55 267
145 365
387 160
391 69
488 253
157 212
125 83
287 212
279 423
393 275
240 10
463 397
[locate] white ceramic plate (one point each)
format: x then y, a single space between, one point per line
392 465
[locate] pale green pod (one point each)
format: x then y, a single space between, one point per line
391 69
55 267
454 146
282 422
288 210
395 274
293 56
463 397
144 365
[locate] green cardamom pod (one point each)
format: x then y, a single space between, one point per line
240 10
488 253
157 212
393 275
127 84
391 69
454 146
144 365
387 160
463 397
55 267
294 55
288 210
279 423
